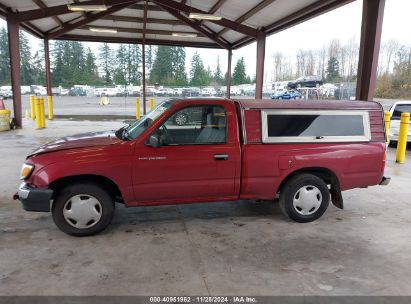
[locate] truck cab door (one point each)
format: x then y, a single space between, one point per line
196 157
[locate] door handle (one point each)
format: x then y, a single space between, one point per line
221 156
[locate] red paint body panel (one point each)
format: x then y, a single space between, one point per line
189 173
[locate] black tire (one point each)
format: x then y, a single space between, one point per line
291 190
91 190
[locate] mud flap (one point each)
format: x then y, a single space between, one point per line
336 197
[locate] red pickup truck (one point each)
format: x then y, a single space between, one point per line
204 150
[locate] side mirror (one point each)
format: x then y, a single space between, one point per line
154 141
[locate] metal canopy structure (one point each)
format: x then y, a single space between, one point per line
168 22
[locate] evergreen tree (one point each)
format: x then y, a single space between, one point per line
77 63
133 64
39 67
162 71
218 75
4 58
333 70
26 66
120 73
90 70
239 75
169 66
57 62
179 66
198 74
106 63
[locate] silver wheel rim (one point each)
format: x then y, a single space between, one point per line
181 120
82 211
307 200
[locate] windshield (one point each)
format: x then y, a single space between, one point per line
135 129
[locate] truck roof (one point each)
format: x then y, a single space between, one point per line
308 104
293 104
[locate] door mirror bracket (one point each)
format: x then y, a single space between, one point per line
154 141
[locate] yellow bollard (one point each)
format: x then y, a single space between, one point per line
138 114
387 120
38 112
26 114
32 110
43 115
151 104
402 138
50 107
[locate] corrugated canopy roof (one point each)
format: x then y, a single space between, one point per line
155 21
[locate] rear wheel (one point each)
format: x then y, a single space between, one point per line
304 198
83 209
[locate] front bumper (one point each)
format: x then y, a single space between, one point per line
385 181
34 199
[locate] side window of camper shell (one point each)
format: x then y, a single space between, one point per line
315 126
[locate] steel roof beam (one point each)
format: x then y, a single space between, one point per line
249 14
232 25
140 31
59 10
194 25
141 20
149 41
41 4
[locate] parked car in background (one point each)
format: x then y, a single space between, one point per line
105 92
133 90
6 92
38 90
396 110
306 81
165 92
77 91
191 92
234 91
291 94
25 90
208 92
178 92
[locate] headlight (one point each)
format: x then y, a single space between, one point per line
26 171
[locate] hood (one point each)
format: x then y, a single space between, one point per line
84 140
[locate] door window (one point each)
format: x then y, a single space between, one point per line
194 125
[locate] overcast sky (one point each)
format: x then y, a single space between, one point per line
342 23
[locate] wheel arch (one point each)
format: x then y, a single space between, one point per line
327 175
105 182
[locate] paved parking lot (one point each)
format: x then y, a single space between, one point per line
228 248
70 106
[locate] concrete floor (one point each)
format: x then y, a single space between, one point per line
206 249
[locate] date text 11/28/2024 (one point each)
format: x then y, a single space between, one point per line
203 299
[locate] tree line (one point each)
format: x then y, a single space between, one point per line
74 63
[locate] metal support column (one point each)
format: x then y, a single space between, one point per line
14 49
372 16
144 57
228 80
259 75
47 66
143 62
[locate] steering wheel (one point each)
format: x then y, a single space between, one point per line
167 136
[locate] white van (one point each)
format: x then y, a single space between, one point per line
396 110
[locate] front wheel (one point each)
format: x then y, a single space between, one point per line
304 198
83 209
